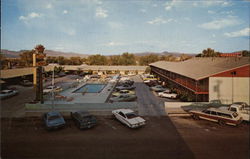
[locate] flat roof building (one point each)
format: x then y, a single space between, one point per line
207 78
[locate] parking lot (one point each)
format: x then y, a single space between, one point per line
177 137
162 137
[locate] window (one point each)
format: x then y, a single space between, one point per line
213 113
121 113
206 111
131 115
234 109
224 115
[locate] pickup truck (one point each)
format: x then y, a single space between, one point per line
241 108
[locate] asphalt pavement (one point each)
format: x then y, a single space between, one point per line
148 103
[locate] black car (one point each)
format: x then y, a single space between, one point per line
127 82
83 119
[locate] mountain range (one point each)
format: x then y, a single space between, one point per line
15 54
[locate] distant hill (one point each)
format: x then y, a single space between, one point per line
15 54
166 53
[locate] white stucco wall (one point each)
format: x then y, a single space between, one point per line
228 89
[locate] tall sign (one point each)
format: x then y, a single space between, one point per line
38 63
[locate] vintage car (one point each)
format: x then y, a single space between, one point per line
217 115
158 88
83 119
151 83
149 77
126 82
167 94
49 89
26 83
129 118
7 93
123 92
53 120
241 108
124 98
123 87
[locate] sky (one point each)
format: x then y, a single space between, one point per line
116 26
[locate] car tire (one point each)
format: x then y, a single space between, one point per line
195 117
222 122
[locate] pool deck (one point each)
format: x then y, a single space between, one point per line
86 97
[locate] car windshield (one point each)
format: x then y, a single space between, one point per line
89 117
54 117
131 115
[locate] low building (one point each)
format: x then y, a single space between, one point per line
97 69
205 78
104 69
234 54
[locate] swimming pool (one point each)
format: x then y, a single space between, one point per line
90 88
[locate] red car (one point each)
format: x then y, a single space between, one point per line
217 115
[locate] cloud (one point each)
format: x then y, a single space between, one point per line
71 32
98 2
49 6
187 19
143 10
65 12
115 25
159 20
112 43
210 12
155 5
101 13
210 3
219 24
195 4
240 33
171 4
30 16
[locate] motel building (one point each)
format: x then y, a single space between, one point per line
207 78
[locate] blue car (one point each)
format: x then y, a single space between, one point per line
53 120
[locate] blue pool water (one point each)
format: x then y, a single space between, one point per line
90 88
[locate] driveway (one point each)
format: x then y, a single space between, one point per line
148 103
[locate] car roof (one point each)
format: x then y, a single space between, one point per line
82 113
220 110
53 113
6 90
125 110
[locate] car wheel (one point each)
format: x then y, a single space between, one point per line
196 117
222 122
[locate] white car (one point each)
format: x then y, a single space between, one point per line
7 93
51 88
167 94
241 108
128 117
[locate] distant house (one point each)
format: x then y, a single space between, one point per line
207 78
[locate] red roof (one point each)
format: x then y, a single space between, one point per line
231 54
